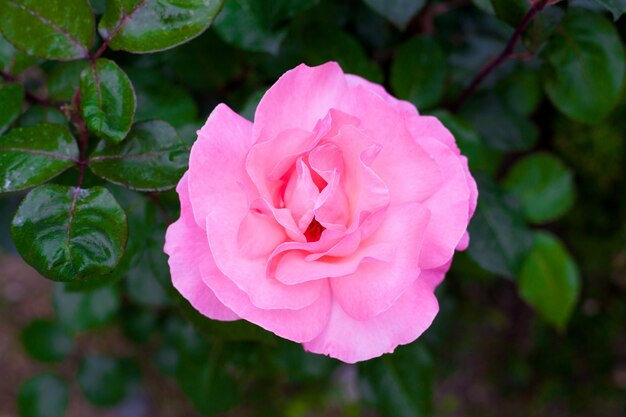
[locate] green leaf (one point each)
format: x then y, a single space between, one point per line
544 186
398 12
13 61
583 69
155 25
521 90
11 102
501 126
164 102
32 155
269 13
401 383
106 381
46 341
510 11
152 158
85 310
237 25
107 100
550 281
64 80
500 239
43 396
69 233
52 29
42 114
418 72
617 7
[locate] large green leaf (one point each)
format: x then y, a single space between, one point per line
46 341
583 68
401 383
154 25
152 158
237 25
52 29
617 7
500 239
419 71
44 395
544 186
85 310
13 61
398 12
11 102
68 233
106 381
32 155
550 281
107 100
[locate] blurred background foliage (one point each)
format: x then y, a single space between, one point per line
533 315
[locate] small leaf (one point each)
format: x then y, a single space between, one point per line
418 71
500 239
11 102
32 155
544 186
46 341
107 100
155 25
237 25
152 158
398 12
583 69
401 383
43 396
107 381
510 11
550 281
69 233
52 29
85 310
617 7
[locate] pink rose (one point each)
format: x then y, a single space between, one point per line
329 221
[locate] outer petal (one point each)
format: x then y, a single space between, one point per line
299 99
352 340
186 244
400 105
216 164
298 325
375 287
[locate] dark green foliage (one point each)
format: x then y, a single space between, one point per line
101 125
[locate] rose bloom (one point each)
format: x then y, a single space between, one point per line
329 221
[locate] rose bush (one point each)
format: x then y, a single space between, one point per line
329 220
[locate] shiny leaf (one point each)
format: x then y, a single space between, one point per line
68 233
550 280
152 158
544 186
583 68
32 155
44 395
11 102
155 25
52 29
418 72
107 100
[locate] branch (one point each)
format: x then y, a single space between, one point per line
32 98
507 53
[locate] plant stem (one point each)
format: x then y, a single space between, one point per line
508 51
32 98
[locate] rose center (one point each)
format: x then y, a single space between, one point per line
314 231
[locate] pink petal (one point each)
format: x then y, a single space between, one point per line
352 340
186 244
216 168
300 195
299 99
299 325
400 105
374 287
